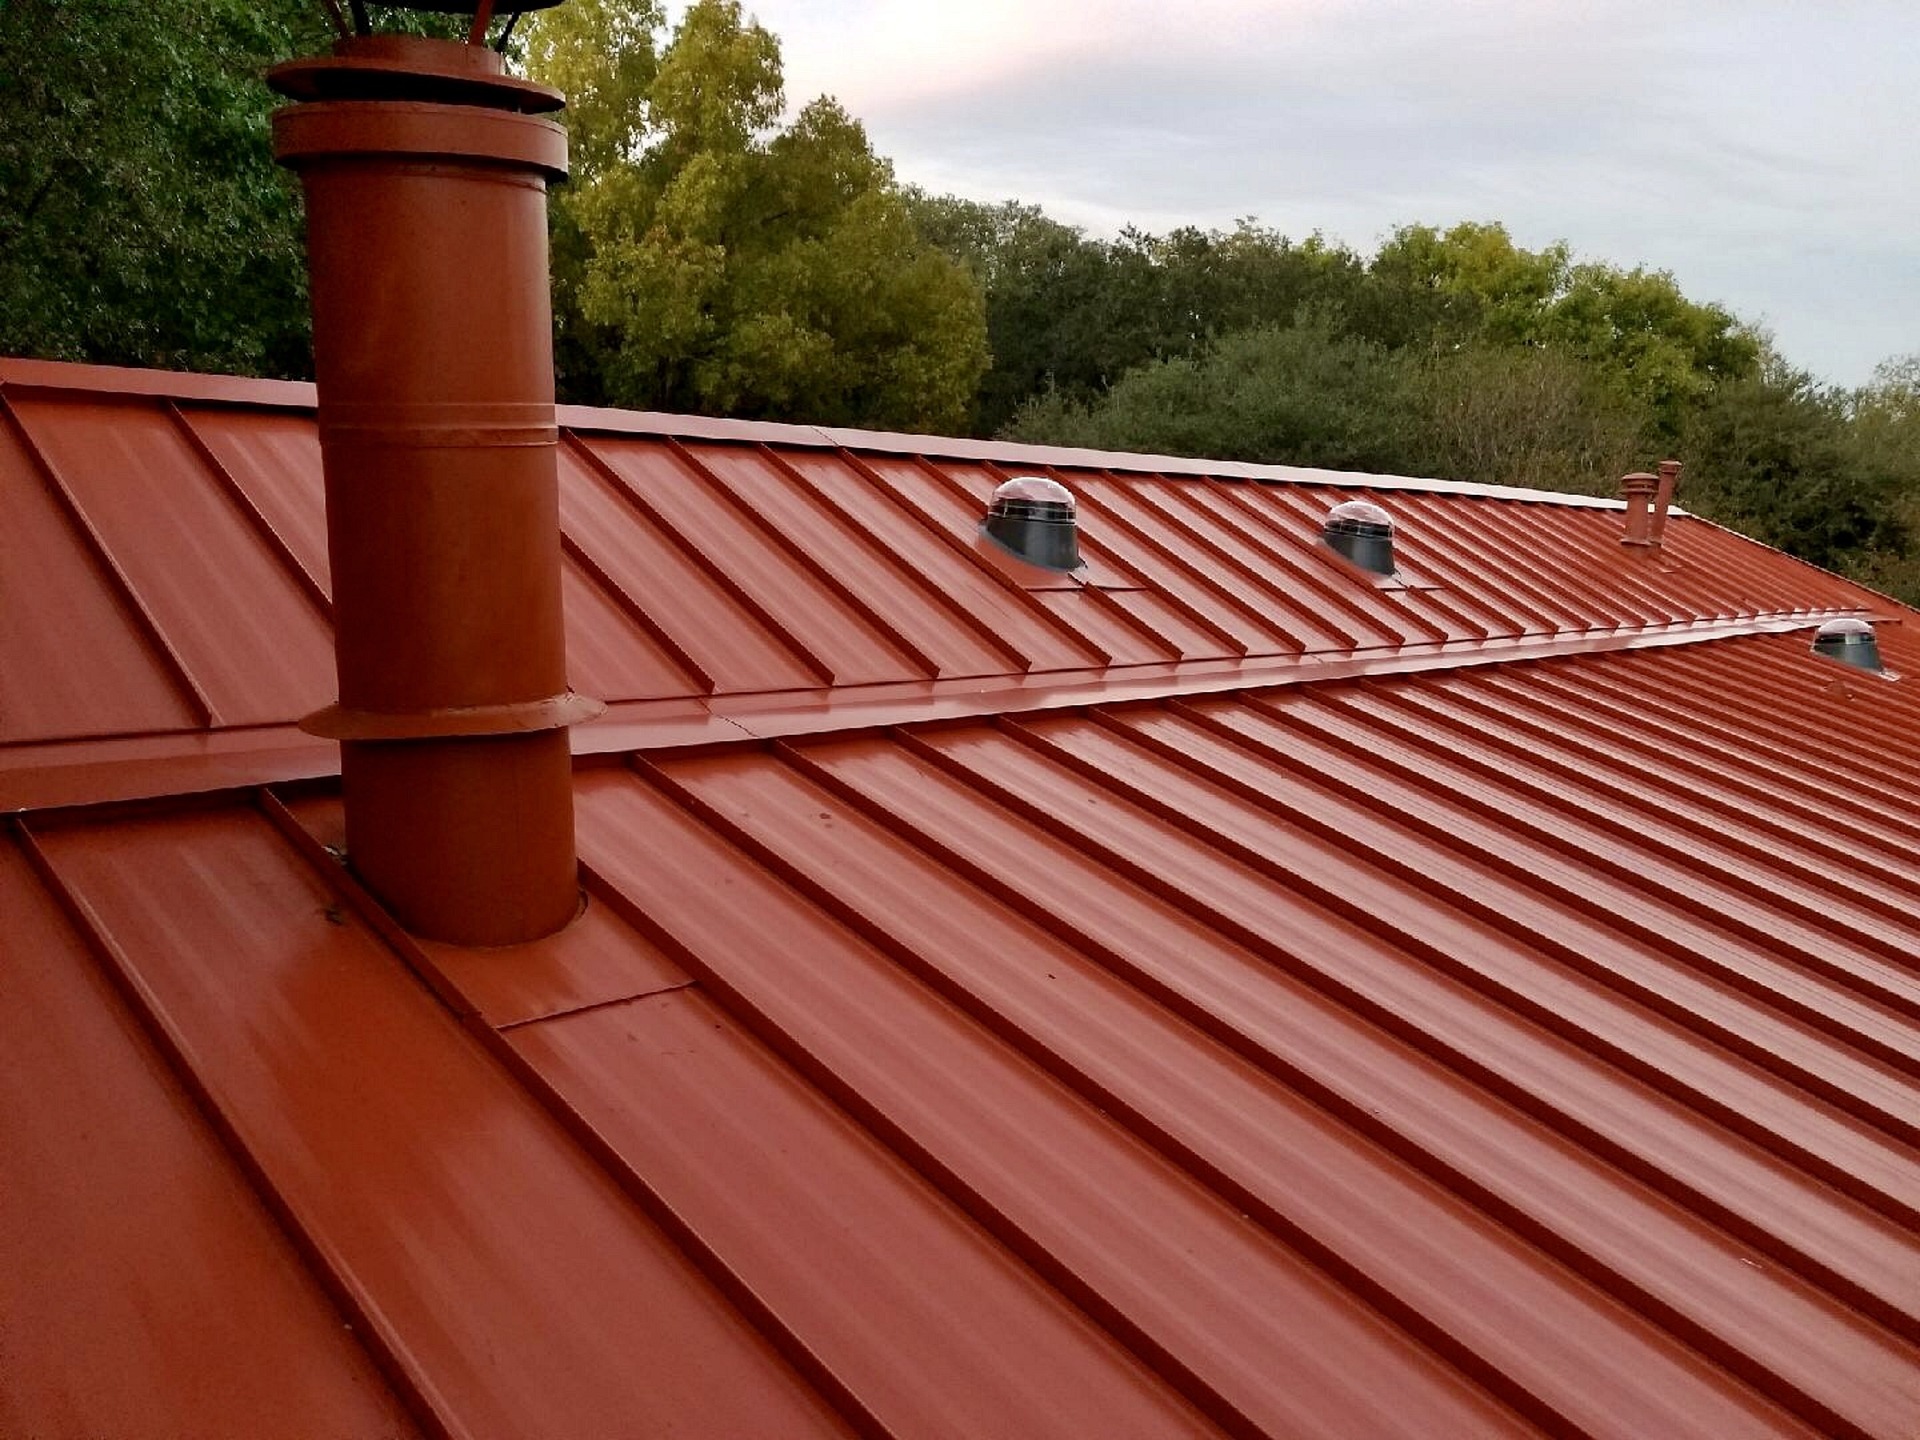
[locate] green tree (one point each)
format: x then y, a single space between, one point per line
1434 290
708 259
1786 460
1068 315
1523 415
142 219
1439 290
1301 394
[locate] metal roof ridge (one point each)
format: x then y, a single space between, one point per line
662 424
847 710
179 385
132 381
161 767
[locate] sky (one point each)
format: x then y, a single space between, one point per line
1760 150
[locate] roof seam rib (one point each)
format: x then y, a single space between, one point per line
370 1330
236 494
178 671
782 633
1347 1110
1491 985
896 564
1376 1295
1379 1293
578 1129
805 561
1050 1269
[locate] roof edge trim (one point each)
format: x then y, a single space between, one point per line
122 380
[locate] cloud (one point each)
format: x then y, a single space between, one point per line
1756 149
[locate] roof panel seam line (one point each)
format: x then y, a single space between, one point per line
504 1027
1097 598
1193 574
1497 991
1869 1116
370 1327
332 873
630 494
802 558
1774 758
1585 579
759 1313
1350 1110
1788 952
1079 1294
1468 578
307 584
1899 607
1053 621
1717 780
1465 550
1695 1335
617 596
845 1099
886 555
1614 792
1780 738
1266 535
178 671
1288 575
1190 575
1293 1235
499 1050
1792 725
1676 895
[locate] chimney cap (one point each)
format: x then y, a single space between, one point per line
411 67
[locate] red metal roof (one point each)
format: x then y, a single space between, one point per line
169 622
1302 1009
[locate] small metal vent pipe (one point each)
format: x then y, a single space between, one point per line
1360 531
425 169
1849 641
1036 519
1669 481
1649 497
1638 488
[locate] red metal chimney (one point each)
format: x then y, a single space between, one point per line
425 168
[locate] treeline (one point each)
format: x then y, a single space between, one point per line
1454 353
710 256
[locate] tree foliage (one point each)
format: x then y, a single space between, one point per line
1788 461
707 258
1310 394
1301 394
142 219
712 255
1448 352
